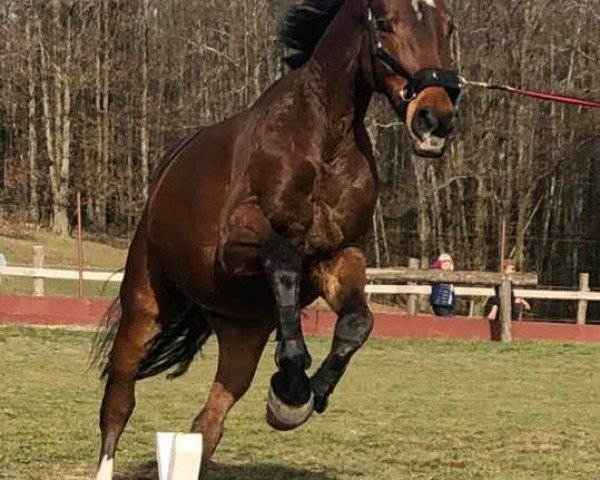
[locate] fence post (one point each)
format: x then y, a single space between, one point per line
471 308
413 300
79 246
2 264
423 303
584 286
38 262
506 309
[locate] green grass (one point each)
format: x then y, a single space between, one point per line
61 288
60 252
419 410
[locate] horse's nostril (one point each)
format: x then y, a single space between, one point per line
425 122
428 122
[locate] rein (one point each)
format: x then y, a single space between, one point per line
415 84
551 97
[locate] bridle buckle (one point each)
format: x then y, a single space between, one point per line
407 94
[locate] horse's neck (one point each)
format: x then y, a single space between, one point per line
335 69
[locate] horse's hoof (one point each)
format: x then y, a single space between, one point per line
321 403
285 417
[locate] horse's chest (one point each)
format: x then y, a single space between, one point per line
341 211
327 230
321 209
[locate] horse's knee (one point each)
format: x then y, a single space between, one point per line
353 328
286 285
284 269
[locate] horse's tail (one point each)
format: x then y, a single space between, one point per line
176 345
105 336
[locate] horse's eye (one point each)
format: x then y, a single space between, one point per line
385 25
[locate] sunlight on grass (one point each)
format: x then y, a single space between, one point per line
406 409
59 288
62 252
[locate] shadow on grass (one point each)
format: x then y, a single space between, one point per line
221 471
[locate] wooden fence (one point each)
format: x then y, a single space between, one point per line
403 281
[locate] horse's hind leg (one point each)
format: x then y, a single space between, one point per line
142 313
137 328
240 347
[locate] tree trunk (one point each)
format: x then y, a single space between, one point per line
423 223
34 214
144 141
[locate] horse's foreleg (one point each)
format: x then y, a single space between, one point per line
250 247
290 397
341 281
240 348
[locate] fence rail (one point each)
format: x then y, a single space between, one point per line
394 279
61 274
542 294
117 277
415 274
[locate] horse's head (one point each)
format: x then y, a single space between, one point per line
408 55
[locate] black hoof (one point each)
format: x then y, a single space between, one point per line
320 390
291 386
321 403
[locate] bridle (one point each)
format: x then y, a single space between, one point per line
415 84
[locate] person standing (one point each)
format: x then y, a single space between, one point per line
508 267
442 297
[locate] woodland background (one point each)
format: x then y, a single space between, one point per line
93 92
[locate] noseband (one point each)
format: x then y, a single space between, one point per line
415 84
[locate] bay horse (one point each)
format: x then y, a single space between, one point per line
252 219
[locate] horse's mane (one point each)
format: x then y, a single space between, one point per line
303 27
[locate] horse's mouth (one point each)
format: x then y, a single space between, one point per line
430 146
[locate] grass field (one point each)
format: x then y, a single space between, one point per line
62 253
405 410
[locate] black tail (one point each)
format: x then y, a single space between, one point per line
176 344
105 336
